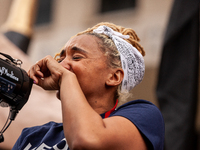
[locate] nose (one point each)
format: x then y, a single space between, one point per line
66 63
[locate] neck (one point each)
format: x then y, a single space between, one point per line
102 104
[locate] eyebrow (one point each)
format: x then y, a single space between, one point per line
62 52
74 48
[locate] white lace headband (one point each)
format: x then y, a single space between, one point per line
131 59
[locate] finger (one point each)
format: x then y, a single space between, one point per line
40 82
35 80
37 71
34 74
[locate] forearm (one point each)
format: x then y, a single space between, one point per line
80 121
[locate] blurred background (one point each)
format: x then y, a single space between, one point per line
57 21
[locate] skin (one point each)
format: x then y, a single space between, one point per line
86 88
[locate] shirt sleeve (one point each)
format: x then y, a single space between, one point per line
148 119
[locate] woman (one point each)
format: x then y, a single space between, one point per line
96 69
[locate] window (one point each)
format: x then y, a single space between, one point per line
44 12
113 5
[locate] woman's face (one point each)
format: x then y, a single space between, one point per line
83 57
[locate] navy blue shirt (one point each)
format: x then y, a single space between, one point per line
143 114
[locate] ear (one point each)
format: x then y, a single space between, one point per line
115 78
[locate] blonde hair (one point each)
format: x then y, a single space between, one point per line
108 47
133 40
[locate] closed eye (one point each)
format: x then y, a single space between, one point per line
62 56
77 57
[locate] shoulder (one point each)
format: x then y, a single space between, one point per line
44 127
139 108
146 117
38 133
138 102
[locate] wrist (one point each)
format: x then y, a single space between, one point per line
66 78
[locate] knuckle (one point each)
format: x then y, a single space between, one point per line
48 57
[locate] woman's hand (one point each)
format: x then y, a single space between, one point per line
47 73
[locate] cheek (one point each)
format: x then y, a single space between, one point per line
90 70
85 78
87 75
81 72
